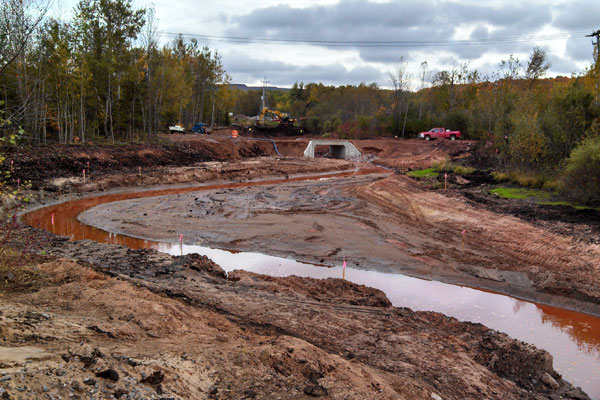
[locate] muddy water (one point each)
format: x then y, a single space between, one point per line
572 338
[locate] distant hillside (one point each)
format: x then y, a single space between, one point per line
245 88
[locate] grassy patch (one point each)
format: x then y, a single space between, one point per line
429 173
526 179
445 165
553 185
520 193
540 196
462 171
500 176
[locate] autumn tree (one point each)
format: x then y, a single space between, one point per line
537 66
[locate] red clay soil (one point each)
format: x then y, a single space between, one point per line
174 327
142 324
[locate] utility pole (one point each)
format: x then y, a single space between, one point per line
596 46
264 102
212 117
596 60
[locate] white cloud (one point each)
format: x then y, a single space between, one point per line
370 20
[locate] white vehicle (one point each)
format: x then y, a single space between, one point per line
177 128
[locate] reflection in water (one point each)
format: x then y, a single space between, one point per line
572 338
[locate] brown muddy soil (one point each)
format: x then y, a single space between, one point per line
380 222
580 224
104 324
43 164
120 323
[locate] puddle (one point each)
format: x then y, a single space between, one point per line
572 338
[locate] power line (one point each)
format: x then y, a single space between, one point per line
374 43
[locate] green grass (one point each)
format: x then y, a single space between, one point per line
428 173
540 196
520 193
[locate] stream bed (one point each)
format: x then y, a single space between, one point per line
571 337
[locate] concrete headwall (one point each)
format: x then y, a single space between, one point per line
337 148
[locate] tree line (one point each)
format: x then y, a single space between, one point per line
532 121
102 75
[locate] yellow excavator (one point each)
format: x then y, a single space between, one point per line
284 120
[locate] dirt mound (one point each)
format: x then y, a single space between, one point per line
319 289
39 164
200 263
402 155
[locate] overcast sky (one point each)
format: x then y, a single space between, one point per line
481 33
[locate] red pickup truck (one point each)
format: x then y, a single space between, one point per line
438 133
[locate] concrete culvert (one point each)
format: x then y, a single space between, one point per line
342 149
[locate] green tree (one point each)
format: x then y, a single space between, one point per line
581 180
105 31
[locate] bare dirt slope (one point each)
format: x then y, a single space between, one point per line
177 328
40 165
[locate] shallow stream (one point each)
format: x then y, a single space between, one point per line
572 338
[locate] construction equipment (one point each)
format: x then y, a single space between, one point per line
283 119
177 128
199 128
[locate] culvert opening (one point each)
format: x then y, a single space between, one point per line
331 151
331 148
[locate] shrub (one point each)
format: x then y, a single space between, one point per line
444 165
312 124
581 179
521 178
